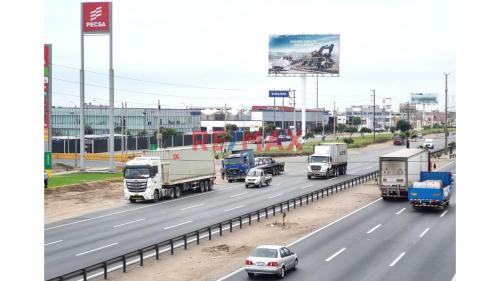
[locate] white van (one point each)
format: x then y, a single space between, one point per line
429 144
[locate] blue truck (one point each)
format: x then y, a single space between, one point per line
238 164
432 191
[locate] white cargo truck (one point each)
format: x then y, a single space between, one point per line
166 173
399 169
328 160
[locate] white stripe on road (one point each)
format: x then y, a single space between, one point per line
453 279
397 259
307 186
97 249
423 233
191 207
232 196
182 223
309 235
444 213
128 223
373 229
58 241
400 211
234 208
278 184
274 196
334 255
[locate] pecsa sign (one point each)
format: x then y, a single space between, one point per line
96 17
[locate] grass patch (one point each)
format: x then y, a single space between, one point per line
77 178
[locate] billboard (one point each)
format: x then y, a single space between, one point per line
279 94
305 54
96 17
420 98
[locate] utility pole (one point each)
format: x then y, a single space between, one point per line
334 119
224 117
158 138
373 115
446 112
121 128
126 131
317 83
294 133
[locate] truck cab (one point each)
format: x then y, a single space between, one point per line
141 178
238 164
328 160
429 144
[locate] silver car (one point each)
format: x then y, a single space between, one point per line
271 259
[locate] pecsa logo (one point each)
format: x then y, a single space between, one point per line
96 17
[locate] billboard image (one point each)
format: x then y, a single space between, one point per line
305 54
420 98
96 17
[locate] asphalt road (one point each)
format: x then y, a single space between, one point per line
78 242
386 240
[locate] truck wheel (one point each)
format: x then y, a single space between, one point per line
210 185
230 181
384 198
132 200
267 183
156 196
201 187
246 185
250 274
177 192
308 177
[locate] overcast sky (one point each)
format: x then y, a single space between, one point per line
211 53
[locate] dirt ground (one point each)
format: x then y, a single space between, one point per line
214 259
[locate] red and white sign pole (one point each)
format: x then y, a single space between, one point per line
96 18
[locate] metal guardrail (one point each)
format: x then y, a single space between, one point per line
169 245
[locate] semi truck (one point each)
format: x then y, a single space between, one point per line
167 173
432 191
269 165
399 169
328 160
238 164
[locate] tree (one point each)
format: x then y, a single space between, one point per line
403 126
142 133
365 130
89 130
392 129
356 121
341 127
231 128
166 132
351 130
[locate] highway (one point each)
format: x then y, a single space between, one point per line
78 242
385 240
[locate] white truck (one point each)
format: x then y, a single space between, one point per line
399 169
166 173
328 160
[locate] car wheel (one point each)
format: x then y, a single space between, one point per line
296 264
156 196
267 183
260 184
282 273
250 274
246 185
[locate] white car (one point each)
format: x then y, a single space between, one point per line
257 177
271 260
429 144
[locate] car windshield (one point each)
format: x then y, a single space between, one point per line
265 253
137 173
254 173
319 159
232 161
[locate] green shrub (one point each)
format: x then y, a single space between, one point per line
348 141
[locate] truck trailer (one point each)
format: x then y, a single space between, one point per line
328 160
399 169
166 173
432 191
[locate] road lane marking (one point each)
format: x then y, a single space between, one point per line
128 223
277 184
96 249
310 234
423 233
182 223
232 196
274 196
234 208
194 206
397 259
444 213
453 279
55 242
400 211
307 186
334 255
373 229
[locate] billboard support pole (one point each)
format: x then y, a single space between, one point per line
304 105
82 96
274 111
282 113
111 94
